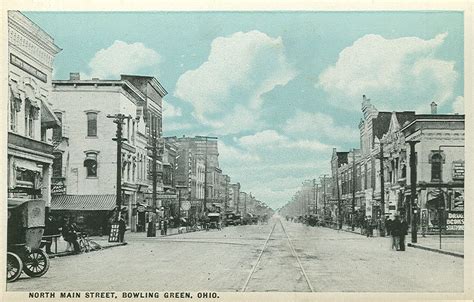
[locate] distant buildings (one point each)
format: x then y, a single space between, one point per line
385 157
374 181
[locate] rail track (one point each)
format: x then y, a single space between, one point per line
264 249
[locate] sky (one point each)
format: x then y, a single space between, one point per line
279 89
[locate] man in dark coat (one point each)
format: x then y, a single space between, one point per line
50 229
395 229
403 232
122 228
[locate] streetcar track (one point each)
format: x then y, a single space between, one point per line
292 248
293 253
258 259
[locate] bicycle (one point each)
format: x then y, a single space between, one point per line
84 242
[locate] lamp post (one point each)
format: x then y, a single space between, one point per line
411 217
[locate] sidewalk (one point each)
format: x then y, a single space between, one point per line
102 243
450 244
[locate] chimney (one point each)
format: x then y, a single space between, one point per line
74 76
434 108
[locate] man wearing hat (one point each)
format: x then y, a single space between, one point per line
396 230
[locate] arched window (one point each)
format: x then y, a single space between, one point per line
91 164
436 167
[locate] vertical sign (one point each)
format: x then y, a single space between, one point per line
114 233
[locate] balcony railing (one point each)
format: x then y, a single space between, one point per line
29 143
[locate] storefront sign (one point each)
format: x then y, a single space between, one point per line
458 170
455 221
28 68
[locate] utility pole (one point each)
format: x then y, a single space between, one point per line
353 190
119 120
411 217
339 206
324 197
206 138
382 193
154 150
314 197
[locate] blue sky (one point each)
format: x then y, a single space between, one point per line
279 89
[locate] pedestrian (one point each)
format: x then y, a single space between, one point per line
51 229
403 233
69 232
165 226
396 226
122 229
388 225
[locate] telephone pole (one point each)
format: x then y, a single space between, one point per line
339 206
154 150
119 120
353 190
206 138
413 192
382 193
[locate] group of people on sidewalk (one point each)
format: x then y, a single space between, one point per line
398 228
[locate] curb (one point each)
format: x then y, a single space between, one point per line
435 250
63 254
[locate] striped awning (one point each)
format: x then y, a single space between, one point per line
83 202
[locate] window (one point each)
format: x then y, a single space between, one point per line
436 167
15 106
30 114
91 164
92 124
57 164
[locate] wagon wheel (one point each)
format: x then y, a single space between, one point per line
14 267
36 263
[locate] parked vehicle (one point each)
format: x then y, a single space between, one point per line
214 221
26 222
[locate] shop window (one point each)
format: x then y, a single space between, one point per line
436 167
92 124
91 164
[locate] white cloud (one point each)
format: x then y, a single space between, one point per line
176 126
234 156
226 90
458 105
271 139
394 72
122 58
319 125
170 111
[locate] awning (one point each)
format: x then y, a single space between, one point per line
27 165
48 118
83 202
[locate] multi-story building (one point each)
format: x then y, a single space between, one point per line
31 52
88 155
234 193
439 160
